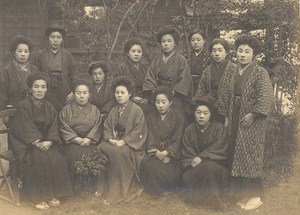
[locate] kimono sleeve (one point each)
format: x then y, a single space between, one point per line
152 141
184 82
72 67
188 150
108 131
150 81
203 88
3 89
217 150
138 132
66 131
264 97
53 131
23 127
174 148
95 133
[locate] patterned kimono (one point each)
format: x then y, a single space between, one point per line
250 92
62 69
205 182
197 65
120 183
175 73
165 134
13 87
44 174
76 121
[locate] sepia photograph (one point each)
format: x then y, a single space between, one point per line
145 107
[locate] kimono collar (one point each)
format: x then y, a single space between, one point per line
197 53
54 52
164 116
165 59
22 68
87 109
242 70
202 128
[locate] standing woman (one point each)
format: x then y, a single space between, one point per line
13 77
161 169
125 133
133 68
101 94
204 156
214 75
199 58
35 142
79 126
170 69
59 64
246 99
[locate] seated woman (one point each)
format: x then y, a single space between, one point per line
161 169
125 133
79 125
101 93
34 139
204 156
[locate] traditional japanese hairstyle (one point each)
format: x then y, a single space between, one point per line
20 39
209 102
55 27
168 30
98 64
249 40
221 41
163 90
134 41
83 79
36 76
197 31
123 81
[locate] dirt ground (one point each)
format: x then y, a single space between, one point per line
283 198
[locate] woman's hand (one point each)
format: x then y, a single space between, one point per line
196 161
47 145
43 145
247 120
120 143
161 154
112 141
166 159
226 123
77 140
86 142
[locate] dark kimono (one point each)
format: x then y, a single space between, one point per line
13 87
166 134
213 79
174 74
102 98
44 174
205 182
250 92
197 65
137 74
76 121
120 183
62 69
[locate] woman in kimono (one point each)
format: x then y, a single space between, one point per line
125 133
161 169
59 64
199 58
204 156
170 69
215 74
13 88
36 145
133 68
79 126
101 94
246 99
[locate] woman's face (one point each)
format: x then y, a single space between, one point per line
122 95
197 42
218 53
135 53
39 89
162 103
98 75
55 40
167 43
22 53
82 95
202 115
244 54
